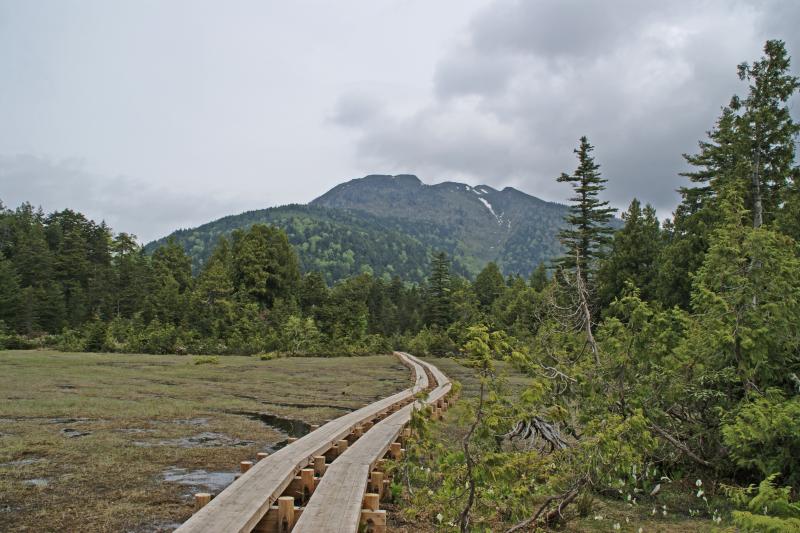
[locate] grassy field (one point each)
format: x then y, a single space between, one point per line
86 440
678 497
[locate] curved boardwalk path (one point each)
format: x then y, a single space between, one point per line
341 502
248 503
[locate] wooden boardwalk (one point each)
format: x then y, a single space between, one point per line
298 470
341 501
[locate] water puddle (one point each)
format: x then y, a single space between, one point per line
72 433
207 439
213 481
156 527
23 462
289 427
191 421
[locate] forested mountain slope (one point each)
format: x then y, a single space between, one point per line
389 225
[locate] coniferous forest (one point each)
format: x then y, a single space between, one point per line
665 350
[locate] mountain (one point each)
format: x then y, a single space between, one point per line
389 225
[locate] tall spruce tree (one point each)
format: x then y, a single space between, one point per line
751 150
588 230
439 303
767 130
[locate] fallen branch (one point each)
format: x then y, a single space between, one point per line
678 444
552 516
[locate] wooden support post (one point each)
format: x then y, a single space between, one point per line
367 425
372 501
380 464
291 440
201 499
285 514
307 481
376 482
357 431
319 465
341 446
313 427
373 521
244 466
261 455
407 433
394 451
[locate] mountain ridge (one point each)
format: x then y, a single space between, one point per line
389 225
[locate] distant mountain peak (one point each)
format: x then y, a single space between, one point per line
390 224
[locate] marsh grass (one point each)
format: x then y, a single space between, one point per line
111 479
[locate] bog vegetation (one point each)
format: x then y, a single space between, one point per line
659 355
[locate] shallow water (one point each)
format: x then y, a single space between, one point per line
213 481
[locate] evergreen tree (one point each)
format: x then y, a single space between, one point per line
751 150
130 276
767 130
588 230
489 285
632 256
538 279
439 303
265 266
9 293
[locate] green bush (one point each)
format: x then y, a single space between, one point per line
71 340
764 435
206 360
432 342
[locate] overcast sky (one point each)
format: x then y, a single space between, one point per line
155 115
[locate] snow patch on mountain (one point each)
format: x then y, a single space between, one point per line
489 207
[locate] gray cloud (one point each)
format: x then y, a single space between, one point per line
643 80
154 115
121 201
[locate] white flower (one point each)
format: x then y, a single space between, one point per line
699 483
617 527
640 530
700 493
439 517
430 492
598 517
653 512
